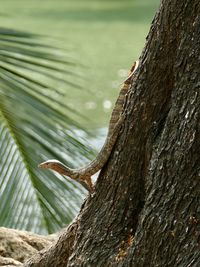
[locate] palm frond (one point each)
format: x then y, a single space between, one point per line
35 125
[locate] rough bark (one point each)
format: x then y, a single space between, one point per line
145 211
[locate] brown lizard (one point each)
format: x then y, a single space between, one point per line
83 175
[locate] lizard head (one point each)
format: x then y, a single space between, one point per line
56 165
52 164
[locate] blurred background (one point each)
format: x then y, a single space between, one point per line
106 36
61 67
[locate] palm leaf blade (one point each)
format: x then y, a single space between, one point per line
34 127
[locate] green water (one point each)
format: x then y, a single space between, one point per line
106 36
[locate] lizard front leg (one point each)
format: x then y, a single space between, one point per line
86 181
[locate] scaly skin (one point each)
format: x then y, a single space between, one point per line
83 175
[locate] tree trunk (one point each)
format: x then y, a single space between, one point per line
146 208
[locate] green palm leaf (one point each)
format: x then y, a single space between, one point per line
35 125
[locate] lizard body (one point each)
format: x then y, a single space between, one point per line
83 175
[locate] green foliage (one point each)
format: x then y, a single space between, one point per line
35 125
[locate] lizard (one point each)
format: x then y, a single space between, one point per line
83 174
